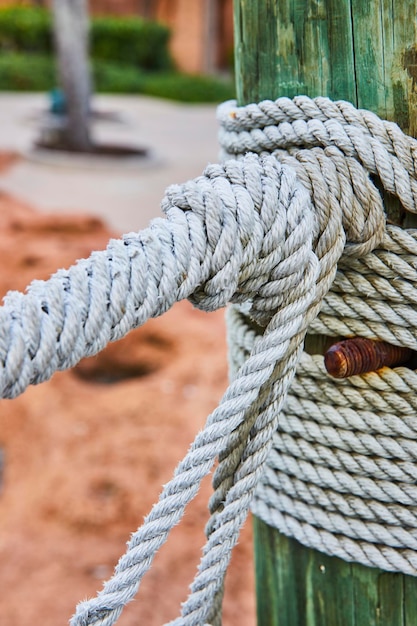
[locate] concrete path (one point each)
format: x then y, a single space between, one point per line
182 139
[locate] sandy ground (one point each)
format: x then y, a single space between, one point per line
84 455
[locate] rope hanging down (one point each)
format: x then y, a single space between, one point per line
266 233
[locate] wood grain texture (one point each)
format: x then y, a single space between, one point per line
296 586
364 52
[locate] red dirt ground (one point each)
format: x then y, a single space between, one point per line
86 454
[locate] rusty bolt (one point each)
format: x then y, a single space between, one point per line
359 355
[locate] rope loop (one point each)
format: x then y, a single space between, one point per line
290 229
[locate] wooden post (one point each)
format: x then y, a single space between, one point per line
363 51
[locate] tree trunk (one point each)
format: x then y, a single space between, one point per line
71 41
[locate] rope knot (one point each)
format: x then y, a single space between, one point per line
258 224
338 153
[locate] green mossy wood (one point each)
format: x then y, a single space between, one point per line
364 51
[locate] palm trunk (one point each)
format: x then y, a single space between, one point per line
71 41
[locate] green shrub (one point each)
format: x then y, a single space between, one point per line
132 41
114 78
25 29
26 72
34 72
187 87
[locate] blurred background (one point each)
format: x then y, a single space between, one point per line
102 106
136 46
96 70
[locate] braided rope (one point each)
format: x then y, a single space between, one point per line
266 233
340 477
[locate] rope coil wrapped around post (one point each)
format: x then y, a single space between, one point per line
286 235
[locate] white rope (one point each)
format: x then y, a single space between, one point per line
340 477
266 233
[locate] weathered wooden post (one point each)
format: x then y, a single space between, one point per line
363 51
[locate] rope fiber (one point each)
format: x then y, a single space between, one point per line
291 231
